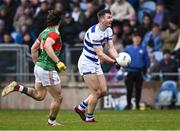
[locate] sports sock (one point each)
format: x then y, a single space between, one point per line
89 116
17 88
21 89
52 118
82 106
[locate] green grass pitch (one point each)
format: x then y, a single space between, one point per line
106 120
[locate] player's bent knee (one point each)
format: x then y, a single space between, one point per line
103 93
98 93
59 99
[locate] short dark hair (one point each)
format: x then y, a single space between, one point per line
155 25
136 33
101 13
53 18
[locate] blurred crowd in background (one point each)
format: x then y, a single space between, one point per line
156 20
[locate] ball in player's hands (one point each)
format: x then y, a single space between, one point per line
123 59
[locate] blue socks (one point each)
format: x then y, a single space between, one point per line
82 106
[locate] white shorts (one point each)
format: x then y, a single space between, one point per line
86 66
47 78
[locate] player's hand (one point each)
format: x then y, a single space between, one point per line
61 66
117 65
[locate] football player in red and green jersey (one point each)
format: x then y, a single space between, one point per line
46 76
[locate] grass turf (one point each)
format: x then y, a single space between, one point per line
106 120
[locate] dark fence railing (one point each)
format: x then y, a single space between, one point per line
16 64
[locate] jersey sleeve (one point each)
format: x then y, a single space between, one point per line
53 36
110 34
95 39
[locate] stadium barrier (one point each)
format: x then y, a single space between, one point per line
16 64
14 60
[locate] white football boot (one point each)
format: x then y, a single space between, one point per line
53 123
8 89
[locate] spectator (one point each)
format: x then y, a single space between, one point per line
78 15
172 6
84 5
4 16
139 64
70 30
117 32
27 40
74 2
35 6
91 17
66 4
25 36
134 3
168 65
108 4
122 10
7 39
23 13
116 27
133 23
29 23
51 3
127 35
11 6
20 11
117 43
153 67
59 7
170 35
40 18
146 24
160 16
152 39
2 24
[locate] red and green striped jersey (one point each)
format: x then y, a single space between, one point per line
44 60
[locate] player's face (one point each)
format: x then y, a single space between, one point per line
107 20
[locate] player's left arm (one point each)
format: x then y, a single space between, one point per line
110 44
112 49
113 53
34 50
49 49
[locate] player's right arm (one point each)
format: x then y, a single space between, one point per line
97 45
34 50
102 55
